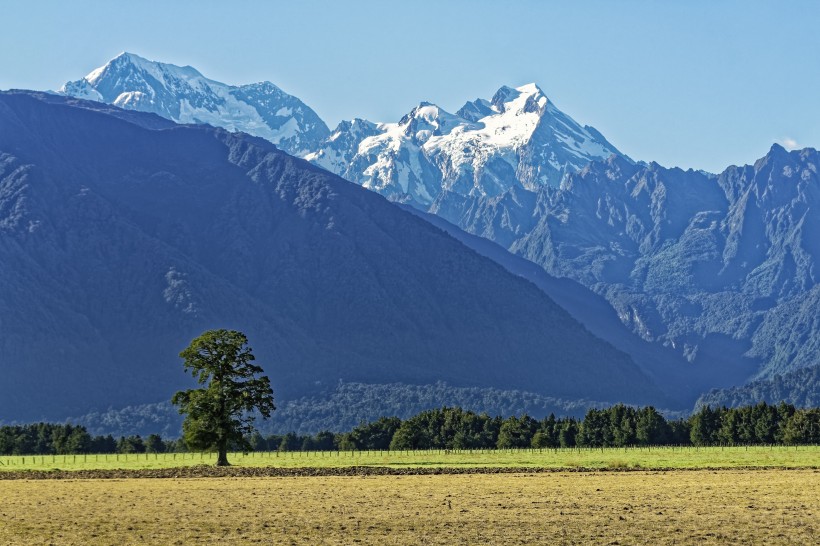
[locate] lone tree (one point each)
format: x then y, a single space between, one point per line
220 414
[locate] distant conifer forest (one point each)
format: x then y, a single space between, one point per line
455 428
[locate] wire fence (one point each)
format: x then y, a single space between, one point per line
327 458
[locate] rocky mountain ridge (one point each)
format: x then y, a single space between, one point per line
517 139
124 235
719 269
184 95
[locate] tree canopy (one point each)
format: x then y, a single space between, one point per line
220 415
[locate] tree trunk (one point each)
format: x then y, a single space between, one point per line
222 457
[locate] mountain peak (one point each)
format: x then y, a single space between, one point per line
475 110
171 213
428 119
135 69
775 153
426 110
131 57
182 94
486 147
777 149
504 95
526 98
529 89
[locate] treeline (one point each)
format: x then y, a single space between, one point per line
51 439
343 407
617 426
799 387
454 428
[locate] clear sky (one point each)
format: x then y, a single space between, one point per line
695 83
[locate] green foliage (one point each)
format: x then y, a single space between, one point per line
679 432
344 407
517 432
650 427
290 442
375 435
447 428
324 441
800 388
130 444
154 444
220 414
457 429
704 427
568 435
103 444
52 439
547 433
803 428
596 430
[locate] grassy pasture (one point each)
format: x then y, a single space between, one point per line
645 458
642 507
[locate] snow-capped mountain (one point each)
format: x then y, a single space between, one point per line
184 95
517 139
114 231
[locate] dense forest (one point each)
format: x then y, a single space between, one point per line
343 407
800 387
454 428
54 439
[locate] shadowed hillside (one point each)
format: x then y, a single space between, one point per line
122 236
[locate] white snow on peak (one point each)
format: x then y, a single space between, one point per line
130 100
519 138
94 76
182 94
81 89
162 72
516 139
496 136
427 120
529 89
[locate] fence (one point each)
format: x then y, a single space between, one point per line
332 458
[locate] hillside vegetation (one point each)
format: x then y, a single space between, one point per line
124 236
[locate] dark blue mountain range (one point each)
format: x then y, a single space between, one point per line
123 235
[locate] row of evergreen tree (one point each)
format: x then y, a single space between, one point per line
54 439
454 428
617 426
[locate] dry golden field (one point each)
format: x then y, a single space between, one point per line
673 507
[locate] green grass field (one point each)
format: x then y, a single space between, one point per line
608 458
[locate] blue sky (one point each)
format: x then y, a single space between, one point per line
695 83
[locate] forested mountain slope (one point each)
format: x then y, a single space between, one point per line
122 236
721 268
